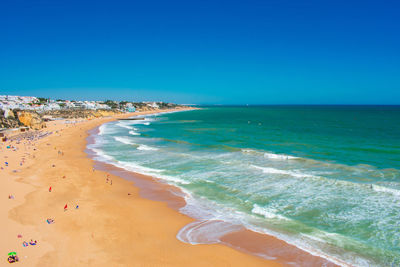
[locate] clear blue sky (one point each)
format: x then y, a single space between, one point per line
227 52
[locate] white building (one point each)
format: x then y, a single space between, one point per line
152 104
102 106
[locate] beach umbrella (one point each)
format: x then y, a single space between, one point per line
12 254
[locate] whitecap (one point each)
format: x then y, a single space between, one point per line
130 166
284 172
124 140
120 124
378 188
268 155
101 129
267 212
101 155
278 156
148 148
132 132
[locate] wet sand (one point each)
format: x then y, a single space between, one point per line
113 225
131 222
247 241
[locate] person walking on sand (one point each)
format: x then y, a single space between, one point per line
65 207
50 189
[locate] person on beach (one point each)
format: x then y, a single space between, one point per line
65 207
50 189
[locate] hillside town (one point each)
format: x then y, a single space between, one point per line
39 104
15 109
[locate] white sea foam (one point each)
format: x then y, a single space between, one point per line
171 179
208 211
284 172
392 191
267 212
146 123
278 156
144 147
121 124
101 129
130 166
205 232
106 129
124 140
101 155
269 155
197 233
222 221
132 132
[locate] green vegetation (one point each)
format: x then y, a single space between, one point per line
111 104
42 100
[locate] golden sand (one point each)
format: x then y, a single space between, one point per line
113 225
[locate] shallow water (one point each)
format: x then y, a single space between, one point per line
326 179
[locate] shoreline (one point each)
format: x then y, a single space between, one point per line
113 224
242 239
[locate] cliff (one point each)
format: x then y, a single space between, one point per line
31 119
8 120
76 114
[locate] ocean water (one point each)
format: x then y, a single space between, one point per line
324 178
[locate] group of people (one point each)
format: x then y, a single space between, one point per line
32 243
25 143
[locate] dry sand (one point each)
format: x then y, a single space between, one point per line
113 225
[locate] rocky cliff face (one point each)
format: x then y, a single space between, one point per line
31 119
8 121
34 120
76 114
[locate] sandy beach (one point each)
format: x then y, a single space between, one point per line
113 225
101 219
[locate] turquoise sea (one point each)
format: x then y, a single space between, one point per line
324 178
